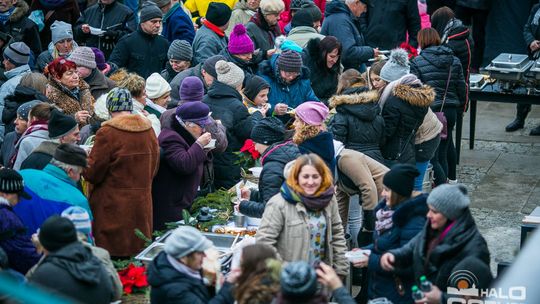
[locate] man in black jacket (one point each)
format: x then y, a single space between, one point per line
15 23
388 22
110 16
144 51
69 267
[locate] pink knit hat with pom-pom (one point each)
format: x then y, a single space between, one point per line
239 42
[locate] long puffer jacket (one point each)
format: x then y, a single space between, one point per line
432 67
403 113
358 123
273 161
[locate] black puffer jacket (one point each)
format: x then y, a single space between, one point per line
75 272
432 67
358 123
20 28
458 38
115 18
21 95
324 81
171 286
273 161
403 113
226 105
462 247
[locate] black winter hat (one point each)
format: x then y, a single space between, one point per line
60 124
254 85
302 18
56 233
149 11
298 280
218 13
210 65
12 182
400 179
268 131
71 154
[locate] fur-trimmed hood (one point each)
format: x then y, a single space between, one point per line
420 96
21 10
130 123
358 98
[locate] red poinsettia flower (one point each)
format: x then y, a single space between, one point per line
249 147
413 52
133 276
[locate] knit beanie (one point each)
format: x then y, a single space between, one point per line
298 280
61 30
101 64
156 86
397 66
229 74
196 112
290 61
450 200
289 45
297 4
253 86
271 7
149 11
56 233
25 108
312 113
83 56
302 18
239 41
161 3
314 10
119 100
71 154
60 124
80 219
268 131
180 50
400 179
209 65
185 240
191 89
18 53
218 13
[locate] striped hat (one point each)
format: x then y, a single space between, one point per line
81 219
118 100
12 182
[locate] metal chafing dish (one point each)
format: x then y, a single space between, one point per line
535 70
510 67
477 82
222 242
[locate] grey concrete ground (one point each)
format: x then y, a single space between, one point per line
503 176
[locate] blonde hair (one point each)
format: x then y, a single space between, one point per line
316 162
134 83
119 75
305 132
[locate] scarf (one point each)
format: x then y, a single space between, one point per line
183 268
4 17
384 220
409 79
214 28
74 93
452 24
313 203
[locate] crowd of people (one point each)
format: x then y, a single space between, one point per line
116 116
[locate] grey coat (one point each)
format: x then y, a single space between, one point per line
27 144
207 44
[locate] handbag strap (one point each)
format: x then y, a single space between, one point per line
446 90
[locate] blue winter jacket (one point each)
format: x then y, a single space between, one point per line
52 192
178 25
408 220
293 94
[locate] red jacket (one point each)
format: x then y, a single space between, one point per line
285 16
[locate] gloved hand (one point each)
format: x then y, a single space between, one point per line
365 237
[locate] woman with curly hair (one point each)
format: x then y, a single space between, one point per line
258 281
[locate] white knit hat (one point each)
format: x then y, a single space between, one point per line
156 86
229 73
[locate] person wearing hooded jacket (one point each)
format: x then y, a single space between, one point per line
323 59
404 102
448 243
225 102
69 267
358 122
437 67
269 138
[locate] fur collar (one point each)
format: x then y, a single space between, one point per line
129 123
21 10
421 96
359 98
